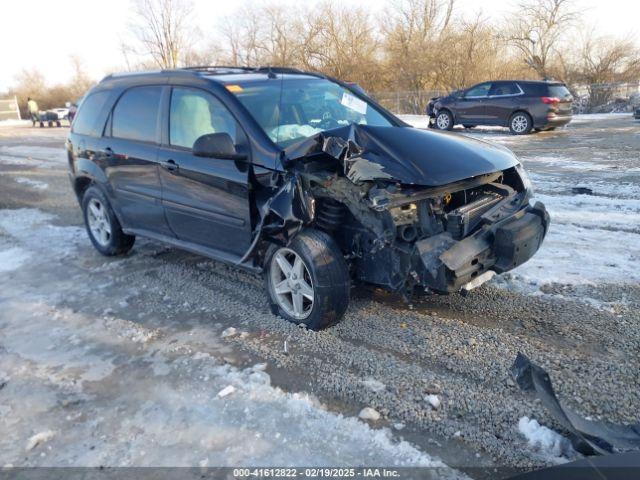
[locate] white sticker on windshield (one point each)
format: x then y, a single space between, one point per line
354 103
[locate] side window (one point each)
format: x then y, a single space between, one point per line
84 122
481 90
194 113
534 89
504 89
135 116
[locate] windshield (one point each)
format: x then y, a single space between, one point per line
292 109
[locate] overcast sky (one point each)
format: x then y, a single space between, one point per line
44 34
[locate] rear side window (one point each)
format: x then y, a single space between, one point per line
559 91
504 89
135 116
85 121
535 89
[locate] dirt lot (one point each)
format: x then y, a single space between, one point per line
120 361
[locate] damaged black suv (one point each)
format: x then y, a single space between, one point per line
298 176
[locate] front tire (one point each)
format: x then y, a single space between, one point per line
102 225
520 123
444 120
308 281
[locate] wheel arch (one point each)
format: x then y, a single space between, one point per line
451 112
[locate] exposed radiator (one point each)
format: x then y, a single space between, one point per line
461 221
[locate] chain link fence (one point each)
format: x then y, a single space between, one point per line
594 98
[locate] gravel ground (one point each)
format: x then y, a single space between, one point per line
386 354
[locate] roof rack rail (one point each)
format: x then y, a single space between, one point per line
227 68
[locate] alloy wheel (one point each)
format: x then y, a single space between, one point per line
291 283
519 123
99 223
442 121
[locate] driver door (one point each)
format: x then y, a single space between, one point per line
473 104
206 200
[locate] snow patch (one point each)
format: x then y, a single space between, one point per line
549 444
13 258
32 183
14 122
44 157
39 438
368 413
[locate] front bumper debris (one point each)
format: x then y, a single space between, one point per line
448 265
587 436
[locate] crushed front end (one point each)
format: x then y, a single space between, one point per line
400 234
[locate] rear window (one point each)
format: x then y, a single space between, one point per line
84 122
135 116
559 91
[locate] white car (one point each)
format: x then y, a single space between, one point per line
63 113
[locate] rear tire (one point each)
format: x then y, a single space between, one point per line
102 225
520 123
308 281
444 120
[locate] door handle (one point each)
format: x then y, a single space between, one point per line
170 165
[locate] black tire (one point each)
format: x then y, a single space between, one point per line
117 242
444 120
329 276
520 123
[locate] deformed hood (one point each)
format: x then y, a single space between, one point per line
404 154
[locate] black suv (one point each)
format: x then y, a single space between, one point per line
521 105
300 177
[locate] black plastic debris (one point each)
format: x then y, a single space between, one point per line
622 466
582 191
587 436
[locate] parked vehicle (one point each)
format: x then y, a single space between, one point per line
521 106
50 117
62 112
301 178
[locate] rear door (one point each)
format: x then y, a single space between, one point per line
503 99
473 104
206 200
131 156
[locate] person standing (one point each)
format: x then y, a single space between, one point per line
32 107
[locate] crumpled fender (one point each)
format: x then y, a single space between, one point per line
282 214
587 436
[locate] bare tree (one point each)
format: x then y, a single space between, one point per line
604 63
414 42
536 28
342 43
161 32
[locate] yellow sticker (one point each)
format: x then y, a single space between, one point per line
234 88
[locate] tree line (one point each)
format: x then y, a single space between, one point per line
412 46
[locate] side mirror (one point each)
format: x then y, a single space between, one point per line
216 145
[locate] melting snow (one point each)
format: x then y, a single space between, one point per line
170 404
13 258
32 183
549 444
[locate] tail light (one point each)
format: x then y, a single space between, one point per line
550 100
